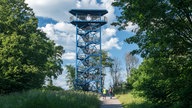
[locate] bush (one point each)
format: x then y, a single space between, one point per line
55 88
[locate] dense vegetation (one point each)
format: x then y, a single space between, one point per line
50 99
164 37
27 59
27 56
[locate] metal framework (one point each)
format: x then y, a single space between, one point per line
88 72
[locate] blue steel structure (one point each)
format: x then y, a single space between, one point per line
88 72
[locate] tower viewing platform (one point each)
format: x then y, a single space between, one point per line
81 17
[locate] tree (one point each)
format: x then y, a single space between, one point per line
131 62
166 23
107 62
54 67
158 83
164 40
115 72
24 49
70 76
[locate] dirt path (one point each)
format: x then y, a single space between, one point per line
110 103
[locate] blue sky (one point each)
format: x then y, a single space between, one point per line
54 18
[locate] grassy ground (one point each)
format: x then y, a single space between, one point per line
50 99
128 100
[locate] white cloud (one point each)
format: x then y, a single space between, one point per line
132 27
107 5
56 9
62 33
109 54
109 31
69 56
65 27
59 9
109 40
112 43
78 4
61 80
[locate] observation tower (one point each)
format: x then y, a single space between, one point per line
88 69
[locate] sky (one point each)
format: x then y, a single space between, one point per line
54 20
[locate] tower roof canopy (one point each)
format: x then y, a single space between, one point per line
96 12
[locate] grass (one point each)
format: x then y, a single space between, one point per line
128 100
50 99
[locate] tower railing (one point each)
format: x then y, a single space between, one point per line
87 18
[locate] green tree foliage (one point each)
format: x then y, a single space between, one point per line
70 76
165 23
165 83
164 37
54 63
106 60
132 78
24 50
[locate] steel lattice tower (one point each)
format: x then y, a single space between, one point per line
88 71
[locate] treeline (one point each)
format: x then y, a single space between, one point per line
27 56
164 37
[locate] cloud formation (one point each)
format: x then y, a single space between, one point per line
63 33
69 56
112 43
59 9
108 33
132 27
55 9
